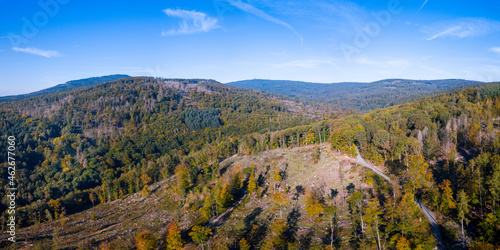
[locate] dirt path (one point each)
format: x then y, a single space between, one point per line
363 162
434 224
430 216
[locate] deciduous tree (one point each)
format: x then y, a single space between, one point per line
447 201
174 240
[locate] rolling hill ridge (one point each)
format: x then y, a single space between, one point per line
358 95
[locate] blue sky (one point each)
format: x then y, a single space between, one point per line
47 42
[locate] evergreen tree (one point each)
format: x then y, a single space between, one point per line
463 208
200 234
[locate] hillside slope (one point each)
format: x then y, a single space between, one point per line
114 138
357 95
118 222
66 86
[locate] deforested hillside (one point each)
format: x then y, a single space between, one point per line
274 198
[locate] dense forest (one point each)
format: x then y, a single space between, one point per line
358 96
443 150
92 146
122 135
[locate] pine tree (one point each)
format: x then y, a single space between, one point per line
463 208
200 234
182 179
494 182
207 208
223 197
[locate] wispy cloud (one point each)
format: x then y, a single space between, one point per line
38 52
495 49
192 22
307 64
450 31
461 28
260 13
422 6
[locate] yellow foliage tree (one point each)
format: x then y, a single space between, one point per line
447 201
313 203
252 181
145 240
146 180
145 191
403 244
174 240
244 244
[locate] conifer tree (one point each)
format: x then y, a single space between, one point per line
463 208
200 234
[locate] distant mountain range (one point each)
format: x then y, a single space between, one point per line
67 86
358 95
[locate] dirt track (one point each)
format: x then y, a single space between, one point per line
430 216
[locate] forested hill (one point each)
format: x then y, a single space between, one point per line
108 136
357 95
443 150
171 156
67 86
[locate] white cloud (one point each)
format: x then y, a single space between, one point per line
38 52
259 13
495 49
307 64
461 28
192 22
